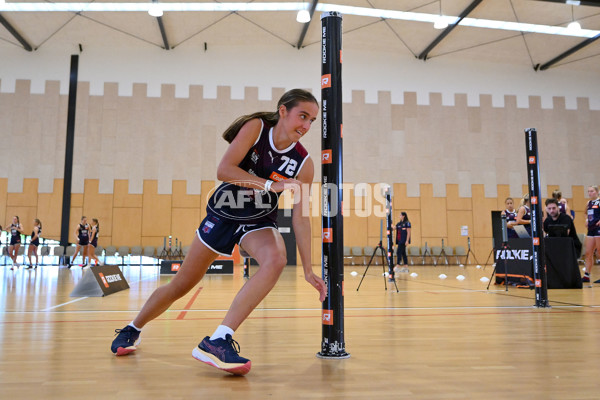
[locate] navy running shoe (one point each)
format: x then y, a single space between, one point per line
222 354
126 341
586 278
597 281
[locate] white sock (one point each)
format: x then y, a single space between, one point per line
131 324
221 332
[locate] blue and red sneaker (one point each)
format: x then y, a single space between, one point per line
126 341
222 354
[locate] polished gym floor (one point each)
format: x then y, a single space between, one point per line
433 339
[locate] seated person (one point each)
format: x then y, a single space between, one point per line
556 219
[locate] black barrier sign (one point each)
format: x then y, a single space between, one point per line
539 262
110 278
218 267
332 345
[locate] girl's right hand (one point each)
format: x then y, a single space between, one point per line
291 184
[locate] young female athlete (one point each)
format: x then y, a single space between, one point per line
403 229
34 243
82 233
524 214
511 217
592 240
263 159
91 248
15 229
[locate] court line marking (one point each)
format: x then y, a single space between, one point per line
189 304
63 304
185 310
87 297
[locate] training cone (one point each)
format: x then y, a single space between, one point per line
460 278
442 276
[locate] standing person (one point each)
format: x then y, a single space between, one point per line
82 233
34 243
264 158
592 240
524 214
511 217
15 229
95 228
402 238
563 206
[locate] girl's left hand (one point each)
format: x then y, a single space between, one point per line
318 284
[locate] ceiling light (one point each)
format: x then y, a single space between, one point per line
303 16
155 10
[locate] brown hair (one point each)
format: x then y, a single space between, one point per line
96 221
37 221
557 194
290 99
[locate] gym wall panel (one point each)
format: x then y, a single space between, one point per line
482 211
3 196
355 231
156 211
99 206
183 200
127 227
454 201
121 196
49 211
184 222
28 197
401 201
457 219
433 213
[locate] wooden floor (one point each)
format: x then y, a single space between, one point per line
434 339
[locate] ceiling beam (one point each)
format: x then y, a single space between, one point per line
163 33
567 53
305 26
15 33
446 32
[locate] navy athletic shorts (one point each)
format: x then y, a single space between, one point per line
221 235
15 240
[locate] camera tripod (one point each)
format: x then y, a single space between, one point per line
378 247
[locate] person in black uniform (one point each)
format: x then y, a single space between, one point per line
403 229
82 233
592 240
91 251
555 217
524 214
15 229
511 217
264 158
34 243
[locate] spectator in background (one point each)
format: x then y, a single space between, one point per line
95 228
511 217
34 243
524 214
82 232
592 240
402 238
563 206
15 229
556 217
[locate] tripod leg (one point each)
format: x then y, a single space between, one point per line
368 265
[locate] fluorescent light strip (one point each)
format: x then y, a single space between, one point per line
322 7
